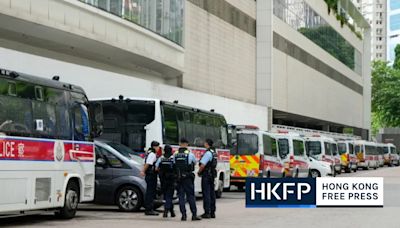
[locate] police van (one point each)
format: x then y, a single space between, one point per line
255 153
367 154
324 149
348 158
136 122
381 154
293 155
391 156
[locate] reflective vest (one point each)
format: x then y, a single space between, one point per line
183 167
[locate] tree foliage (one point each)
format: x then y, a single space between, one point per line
385 95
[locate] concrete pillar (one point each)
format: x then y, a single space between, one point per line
264 56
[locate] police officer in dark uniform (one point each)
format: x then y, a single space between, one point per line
208 173
167 173
150 177
184 163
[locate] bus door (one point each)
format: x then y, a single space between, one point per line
245 159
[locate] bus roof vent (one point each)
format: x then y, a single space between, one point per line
176 101
14 74
120 97
56 78
212 110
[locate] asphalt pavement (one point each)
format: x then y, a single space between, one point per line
231 212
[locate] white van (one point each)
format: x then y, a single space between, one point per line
391 156
293 154
367 154
381 154
324 149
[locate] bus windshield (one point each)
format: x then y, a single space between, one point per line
342 148
247 144
125 121
313 148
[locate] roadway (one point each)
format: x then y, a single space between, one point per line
232 213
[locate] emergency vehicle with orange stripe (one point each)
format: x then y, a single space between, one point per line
46 149
255 153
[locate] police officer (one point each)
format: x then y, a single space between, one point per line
208 172
167 172
184 163
150 177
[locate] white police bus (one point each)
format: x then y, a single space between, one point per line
136 122
46 149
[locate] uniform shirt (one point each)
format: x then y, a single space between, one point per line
159 161
207 157
151 158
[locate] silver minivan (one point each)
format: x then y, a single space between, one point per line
117 177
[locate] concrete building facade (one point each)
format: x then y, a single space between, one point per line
375 12
249 60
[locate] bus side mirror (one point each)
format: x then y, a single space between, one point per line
97 119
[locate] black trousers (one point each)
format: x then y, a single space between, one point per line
208 189
168 189
186 188
151 190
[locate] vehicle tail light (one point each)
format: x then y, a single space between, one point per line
262 163
348 157
291 162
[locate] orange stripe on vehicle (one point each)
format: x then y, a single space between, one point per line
256 158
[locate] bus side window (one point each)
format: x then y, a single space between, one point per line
283 148
81 123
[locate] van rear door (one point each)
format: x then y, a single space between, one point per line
245 158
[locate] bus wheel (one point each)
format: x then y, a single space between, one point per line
71 201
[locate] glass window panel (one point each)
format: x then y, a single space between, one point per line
164 17
300 16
